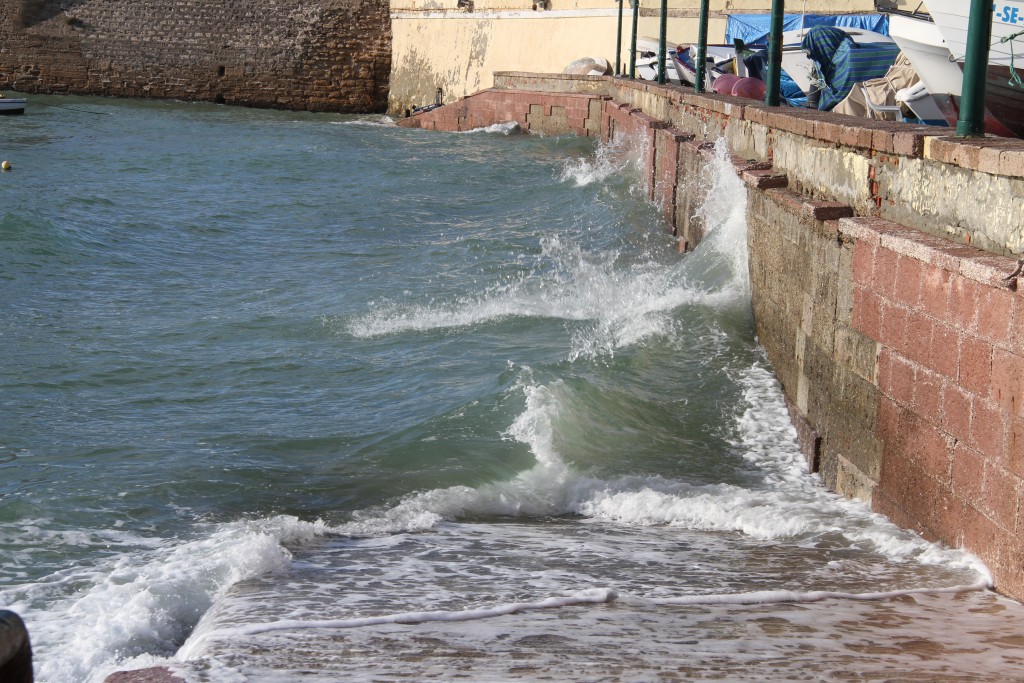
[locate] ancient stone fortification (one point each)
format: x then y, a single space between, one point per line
899 342
318 55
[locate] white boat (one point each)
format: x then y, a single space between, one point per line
646 60
1004 103
922 42
720 59
798 65
12 105
951 17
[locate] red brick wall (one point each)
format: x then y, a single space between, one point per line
539 112
950 377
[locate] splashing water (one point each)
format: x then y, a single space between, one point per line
398 377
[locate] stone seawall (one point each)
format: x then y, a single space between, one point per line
880 260
324 55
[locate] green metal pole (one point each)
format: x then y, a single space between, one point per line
662 39
772 96
632 45
702 47
972 102
618 44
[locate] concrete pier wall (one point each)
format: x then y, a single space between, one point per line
880 263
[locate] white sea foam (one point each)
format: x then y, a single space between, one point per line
625 304
784 596
622 155
382 120
506 128
196 646
141 603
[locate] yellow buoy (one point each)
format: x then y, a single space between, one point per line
5 165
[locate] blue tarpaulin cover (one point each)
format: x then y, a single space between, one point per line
753 29
842 63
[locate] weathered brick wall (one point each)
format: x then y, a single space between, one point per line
950 378
543 113
323 55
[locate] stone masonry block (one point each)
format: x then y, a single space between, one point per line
886 268
963 304
928 391
764 179
910 144
1001 496
968 473
975 365
935 286
956 412
1015 446
863 263
988 428
1008 381
930 448
995 316
908 275
919 336
893 332
867 312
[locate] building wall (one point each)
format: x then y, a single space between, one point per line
324 55
437 44
899 347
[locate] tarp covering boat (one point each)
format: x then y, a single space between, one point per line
842 62
753 29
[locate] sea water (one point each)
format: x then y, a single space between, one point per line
291 395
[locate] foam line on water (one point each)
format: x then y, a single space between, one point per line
382 120
506 128
784 596
594 596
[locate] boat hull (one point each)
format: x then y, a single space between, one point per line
12 106
922 43
938 60
952 16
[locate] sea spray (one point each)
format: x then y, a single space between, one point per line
147 601
476 358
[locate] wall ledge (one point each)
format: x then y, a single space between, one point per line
970 262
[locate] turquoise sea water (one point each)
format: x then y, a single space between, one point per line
284 392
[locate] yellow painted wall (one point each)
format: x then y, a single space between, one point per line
436 44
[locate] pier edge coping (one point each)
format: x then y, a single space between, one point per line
970 262
990 154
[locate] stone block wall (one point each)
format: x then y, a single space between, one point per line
544 113
949 327
324 55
